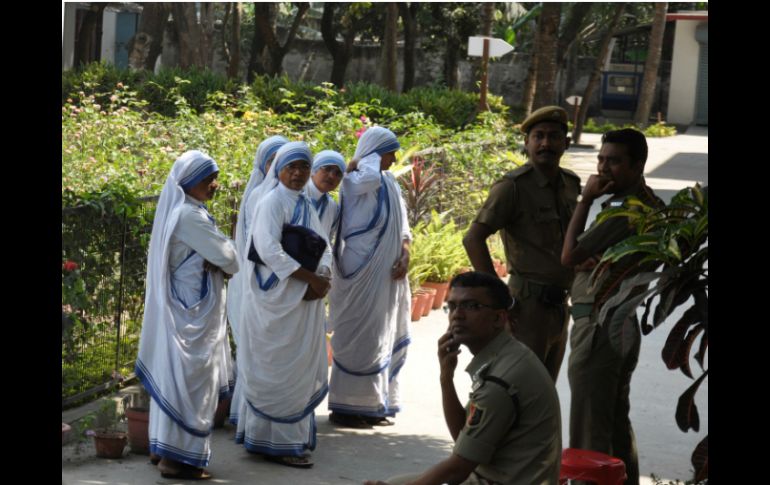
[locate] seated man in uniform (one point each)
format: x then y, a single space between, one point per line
510 430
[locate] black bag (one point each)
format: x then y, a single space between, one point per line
299 242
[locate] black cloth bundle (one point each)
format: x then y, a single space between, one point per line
299 242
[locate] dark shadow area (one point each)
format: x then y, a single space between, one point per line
341 456
684 166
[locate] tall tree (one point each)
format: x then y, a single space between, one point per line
146 45
548 29
445 28
256 66
277 51
407 12
389 53
89 35
338 18
232 48
195 29
593 81
654 51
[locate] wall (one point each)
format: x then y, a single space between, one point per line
310 61
68 35
684 74
109 21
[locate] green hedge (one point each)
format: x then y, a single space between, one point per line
202 90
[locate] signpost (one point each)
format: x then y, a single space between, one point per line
486 47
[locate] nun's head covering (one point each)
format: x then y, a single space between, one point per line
328 157
291 152
267 149
188 170
377 140
193 166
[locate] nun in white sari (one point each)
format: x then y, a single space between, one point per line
325 176
262 160
370 299
281 354
184 355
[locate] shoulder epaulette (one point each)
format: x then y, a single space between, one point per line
518 172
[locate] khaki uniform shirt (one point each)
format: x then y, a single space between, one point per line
533 215
513 443
598 237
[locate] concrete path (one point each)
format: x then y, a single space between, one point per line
419 438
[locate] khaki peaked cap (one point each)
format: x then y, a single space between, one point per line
546 113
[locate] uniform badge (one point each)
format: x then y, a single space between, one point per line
474 415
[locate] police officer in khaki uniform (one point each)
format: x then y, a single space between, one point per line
510 430
532 206
599 375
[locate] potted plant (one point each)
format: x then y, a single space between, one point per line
444 244
138 423
417 273
672 243
108 439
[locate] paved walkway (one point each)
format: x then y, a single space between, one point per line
419 437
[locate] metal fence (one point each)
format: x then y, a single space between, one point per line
104 253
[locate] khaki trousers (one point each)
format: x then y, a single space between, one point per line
600 383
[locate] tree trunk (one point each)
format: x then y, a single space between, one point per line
548 29
194 36
257 47
528 97
650 78
593 81
89 36
410 38
341 51
147 43
578 13
451 60
275 49
390 59
232 49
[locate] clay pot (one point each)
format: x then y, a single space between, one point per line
110 444
416 308
441 292
428 295
138 430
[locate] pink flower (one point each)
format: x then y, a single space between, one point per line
360 132
69 266
364 119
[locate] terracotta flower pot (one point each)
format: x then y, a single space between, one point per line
138 430
428 295
441 292
110 444
416 307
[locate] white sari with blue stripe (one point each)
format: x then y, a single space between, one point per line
184 356
368 309
282 369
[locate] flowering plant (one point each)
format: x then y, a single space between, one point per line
365 124
74 299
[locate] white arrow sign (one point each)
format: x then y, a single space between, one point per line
497 47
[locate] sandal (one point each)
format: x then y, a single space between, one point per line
377 421
348 421
290 460
183 472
